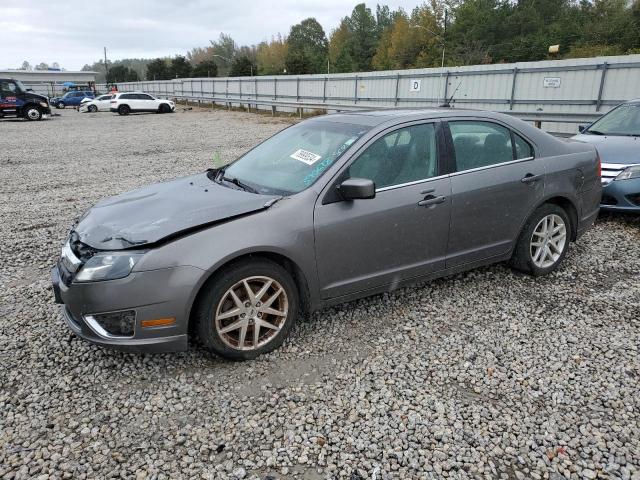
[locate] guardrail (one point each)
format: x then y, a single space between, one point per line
535 117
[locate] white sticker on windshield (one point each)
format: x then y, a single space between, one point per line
304 156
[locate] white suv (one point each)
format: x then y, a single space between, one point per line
128 102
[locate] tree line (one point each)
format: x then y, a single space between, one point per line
449 32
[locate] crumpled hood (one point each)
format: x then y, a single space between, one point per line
153 213
614 149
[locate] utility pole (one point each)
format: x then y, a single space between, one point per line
106 67
444 35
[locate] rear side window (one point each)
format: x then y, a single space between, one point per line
480 144
523 149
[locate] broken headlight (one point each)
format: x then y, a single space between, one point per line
108 266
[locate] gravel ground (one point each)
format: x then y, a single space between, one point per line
487 374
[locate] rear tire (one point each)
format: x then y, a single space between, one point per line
124 110
543 242
33 113
227 316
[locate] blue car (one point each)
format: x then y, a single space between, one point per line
71 98
616 135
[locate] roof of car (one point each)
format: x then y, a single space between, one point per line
377 117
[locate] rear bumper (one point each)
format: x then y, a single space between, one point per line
157 294
621 196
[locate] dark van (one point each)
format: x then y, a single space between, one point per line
16 100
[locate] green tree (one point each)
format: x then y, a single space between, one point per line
224 50
158 70
339 56
120 73
206 68
307 48
399 45
242 66
364 37
271 56
180 67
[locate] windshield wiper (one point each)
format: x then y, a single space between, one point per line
238 183
595 132
218 176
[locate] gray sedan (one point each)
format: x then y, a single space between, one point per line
329 210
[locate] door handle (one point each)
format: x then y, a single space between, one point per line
431 200
531 178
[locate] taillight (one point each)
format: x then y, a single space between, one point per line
599 163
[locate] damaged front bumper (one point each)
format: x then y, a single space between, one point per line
157 304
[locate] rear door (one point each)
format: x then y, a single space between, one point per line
402 232
496 182
147 102
129 99
76 98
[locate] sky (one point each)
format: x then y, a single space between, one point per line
73 33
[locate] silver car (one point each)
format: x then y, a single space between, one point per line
328 210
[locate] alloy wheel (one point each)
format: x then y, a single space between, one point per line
251 313
548 241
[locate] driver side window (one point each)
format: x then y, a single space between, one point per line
405 155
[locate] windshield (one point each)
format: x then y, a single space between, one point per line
295 158
21 87
623 120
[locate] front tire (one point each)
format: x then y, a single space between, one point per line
33 113
60 105
543 242
92 108
124 110
247 310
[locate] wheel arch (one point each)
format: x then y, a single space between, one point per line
26 106
563 202
285 262
568 206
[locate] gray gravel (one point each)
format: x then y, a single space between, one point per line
488 374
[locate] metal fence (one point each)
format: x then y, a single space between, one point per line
556 95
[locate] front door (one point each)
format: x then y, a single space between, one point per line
402 232
496 184
10 98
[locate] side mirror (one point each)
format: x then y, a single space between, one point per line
357 188
582 128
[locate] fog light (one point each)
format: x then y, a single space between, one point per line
114 324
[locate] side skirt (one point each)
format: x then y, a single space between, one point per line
413 280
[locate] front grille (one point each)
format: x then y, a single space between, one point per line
611 171
66 276
74 255
83 251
